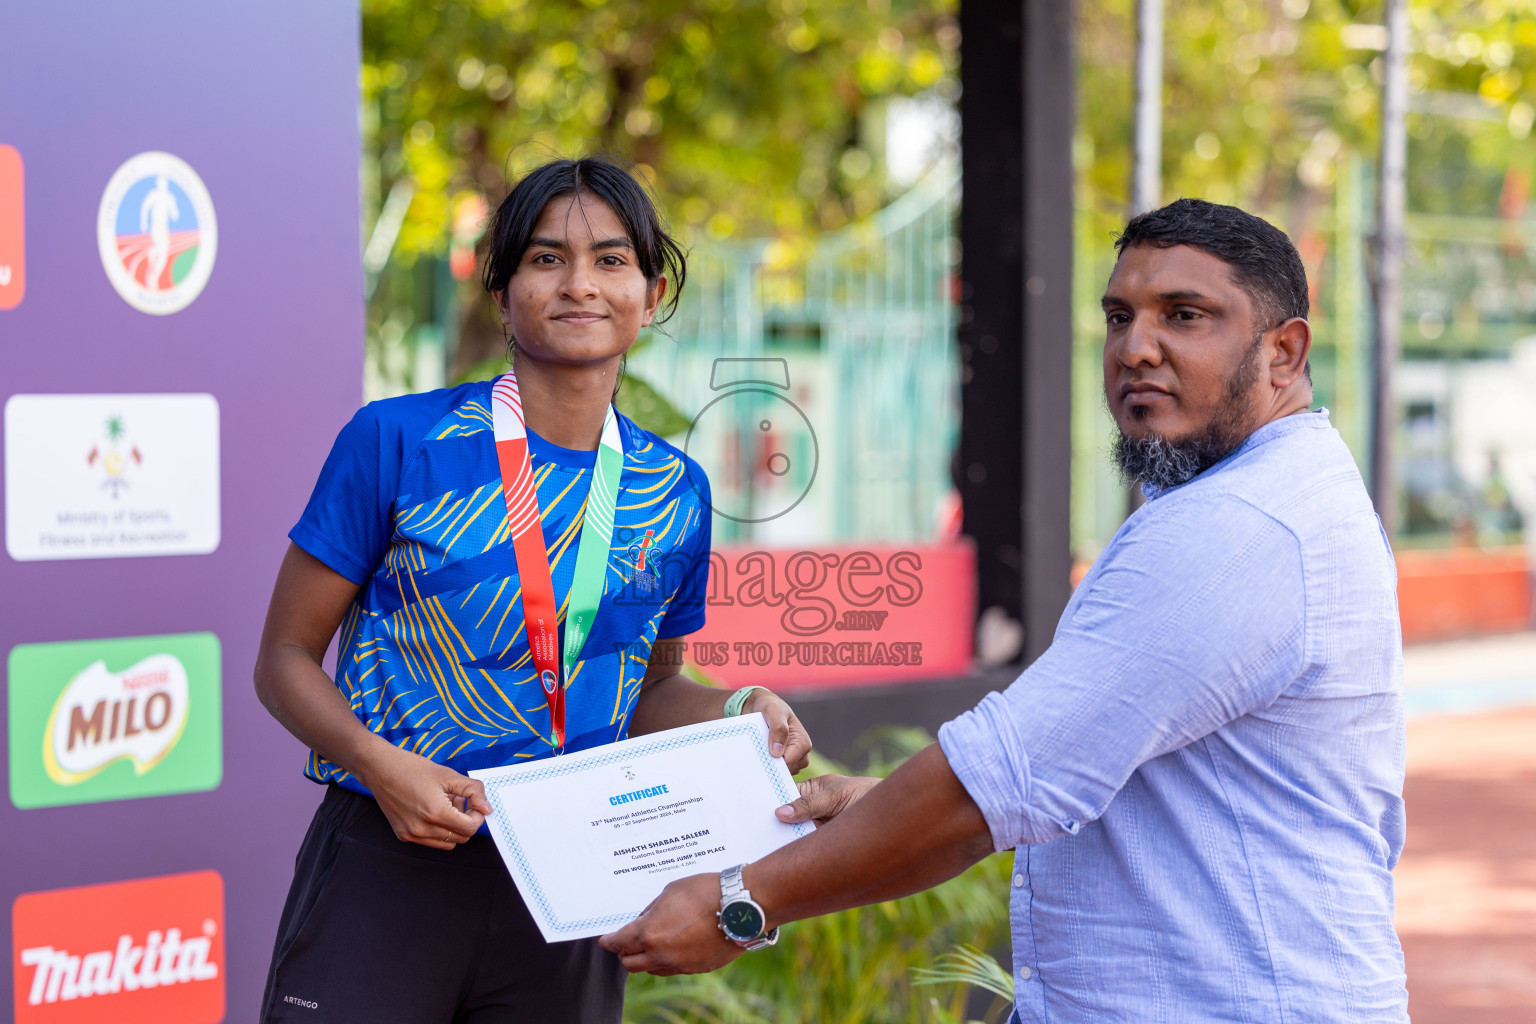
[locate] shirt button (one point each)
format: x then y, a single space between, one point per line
1025 973
1018 881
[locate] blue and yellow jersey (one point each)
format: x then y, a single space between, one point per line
432 653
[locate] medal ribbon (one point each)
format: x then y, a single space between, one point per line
540 613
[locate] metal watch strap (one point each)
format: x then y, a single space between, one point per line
730 884
767 939
731 889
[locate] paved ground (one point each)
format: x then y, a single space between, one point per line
1466 886
1462 676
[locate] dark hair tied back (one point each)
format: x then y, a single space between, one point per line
511 226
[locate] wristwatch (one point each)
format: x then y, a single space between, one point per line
741 918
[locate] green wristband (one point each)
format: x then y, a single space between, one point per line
736 701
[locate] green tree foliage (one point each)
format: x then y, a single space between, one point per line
1271 105
1263 96
749 117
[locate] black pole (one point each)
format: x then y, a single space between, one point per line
1014 465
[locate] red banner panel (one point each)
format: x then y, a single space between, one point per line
13 247
148 951
1443 595
793 618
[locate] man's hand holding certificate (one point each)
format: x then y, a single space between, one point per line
591 837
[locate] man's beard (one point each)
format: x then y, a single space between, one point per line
1162 463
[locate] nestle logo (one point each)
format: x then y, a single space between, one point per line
94 720
103 716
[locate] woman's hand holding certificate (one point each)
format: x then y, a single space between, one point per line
591 837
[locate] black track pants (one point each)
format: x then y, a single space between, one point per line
377 931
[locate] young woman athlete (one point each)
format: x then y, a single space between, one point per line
401 909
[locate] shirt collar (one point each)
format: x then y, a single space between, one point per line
1309 420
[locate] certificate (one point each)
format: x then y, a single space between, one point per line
592 837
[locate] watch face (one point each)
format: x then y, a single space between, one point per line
742 921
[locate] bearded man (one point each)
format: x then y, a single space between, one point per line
1202 777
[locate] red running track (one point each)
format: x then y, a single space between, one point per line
1466 886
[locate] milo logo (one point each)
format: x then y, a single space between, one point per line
136 715
94 720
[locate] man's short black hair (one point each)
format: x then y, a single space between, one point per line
1264 263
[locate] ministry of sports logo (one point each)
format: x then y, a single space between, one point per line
157 233
112 457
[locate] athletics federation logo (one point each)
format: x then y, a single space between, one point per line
644 582
156 233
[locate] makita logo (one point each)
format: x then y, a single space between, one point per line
143 951
159 961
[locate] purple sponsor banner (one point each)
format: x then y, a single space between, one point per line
259 100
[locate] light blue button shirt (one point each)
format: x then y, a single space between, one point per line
1203 775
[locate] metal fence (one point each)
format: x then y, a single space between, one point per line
856 333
